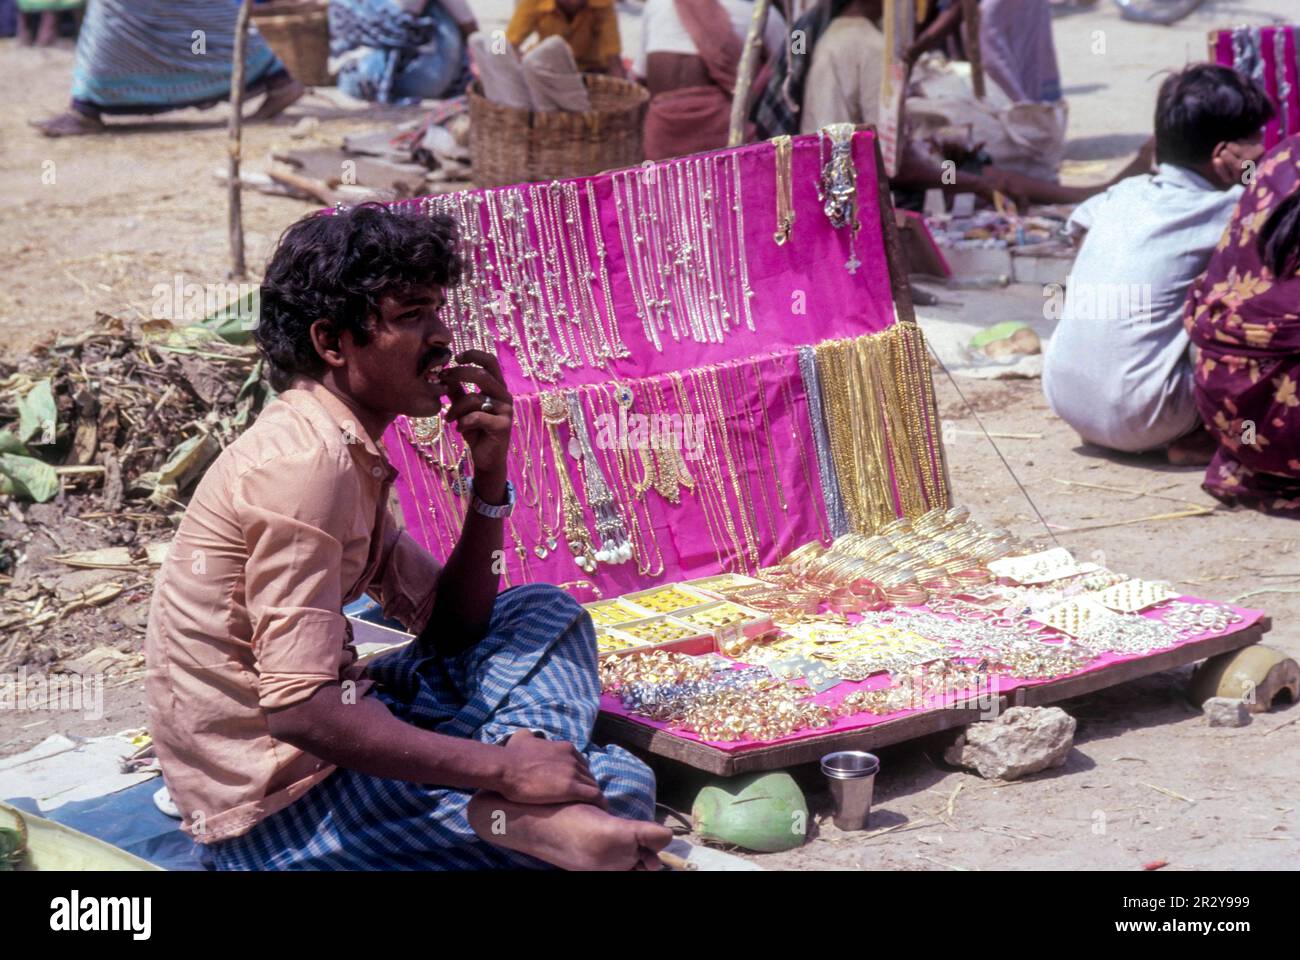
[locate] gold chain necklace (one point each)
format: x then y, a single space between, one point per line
576 533
783 148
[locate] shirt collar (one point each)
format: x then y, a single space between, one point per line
358 441
1185 177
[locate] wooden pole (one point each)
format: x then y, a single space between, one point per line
238 270
745 72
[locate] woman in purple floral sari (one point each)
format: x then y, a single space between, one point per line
1243 316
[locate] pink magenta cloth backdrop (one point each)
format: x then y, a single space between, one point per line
804 294
1287 119
682 531
858 721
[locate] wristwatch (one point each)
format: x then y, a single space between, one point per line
493 512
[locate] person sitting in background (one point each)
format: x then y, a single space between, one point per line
1117 369
1243 316
690 53
391 51
836 75
847 69
589 27
137 57
1016 47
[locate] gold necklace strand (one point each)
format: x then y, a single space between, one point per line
545 351
934 465
761 392
711 483
428 532
736 400
905 400
590 333
678 223
546 530
731 311
576 533
586 277
839 428
429 434
699 222
874 460
671 470
622 477
796 441
636 274
443 513
550 274
615 334
615 544
709 216
624 399
506 329
747 294
645 222
576 279
782 150
716 442
909 346
896 444
653 212
713 392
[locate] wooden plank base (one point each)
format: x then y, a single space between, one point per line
809 749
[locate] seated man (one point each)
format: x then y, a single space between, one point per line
1016 46
470 748
1118 368
589 27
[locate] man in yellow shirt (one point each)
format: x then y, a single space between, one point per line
590 27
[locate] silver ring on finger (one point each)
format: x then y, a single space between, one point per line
487 406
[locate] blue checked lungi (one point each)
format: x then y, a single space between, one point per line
535 670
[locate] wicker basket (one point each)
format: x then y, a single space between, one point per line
508 145
298 31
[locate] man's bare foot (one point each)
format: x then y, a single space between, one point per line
1196 449
73 123
277 98
572 836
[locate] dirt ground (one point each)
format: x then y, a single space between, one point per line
94 224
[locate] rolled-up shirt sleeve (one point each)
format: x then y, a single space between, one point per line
295 518
406 583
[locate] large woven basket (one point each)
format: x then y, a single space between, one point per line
508 145
299 33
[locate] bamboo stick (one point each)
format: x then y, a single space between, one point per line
238 269
745 72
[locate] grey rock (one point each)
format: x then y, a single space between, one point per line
1226 712
1021 741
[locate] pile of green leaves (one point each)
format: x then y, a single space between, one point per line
131 411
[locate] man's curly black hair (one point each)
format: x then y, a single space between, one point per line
338 267
1203 105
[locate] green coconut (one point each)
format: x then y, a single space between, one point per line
765 812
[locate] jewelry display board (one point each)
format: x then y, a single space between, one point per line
718 379
1271 57
705 362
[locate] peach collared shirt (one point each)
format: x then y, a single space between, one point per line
290 523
